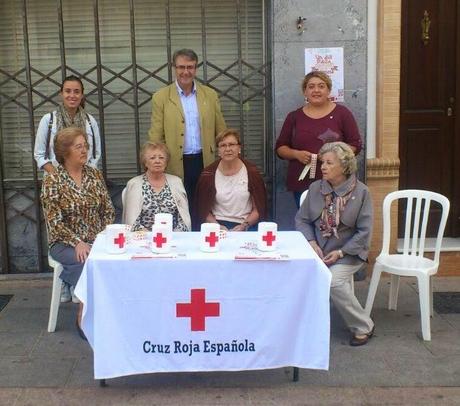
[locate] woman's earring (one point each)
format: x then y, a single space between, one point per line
305 100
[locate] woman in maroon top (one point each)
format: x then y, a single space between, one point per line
308 128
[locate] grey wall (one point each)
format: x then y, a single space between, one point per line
330 23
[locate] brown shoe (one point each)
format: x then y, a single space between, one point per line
356 342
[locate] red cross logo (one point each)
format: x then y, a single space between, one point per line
212 238
120 240
198 309
159 240
269 238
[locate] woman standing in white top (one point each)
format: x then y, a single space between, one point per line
231 190
70 113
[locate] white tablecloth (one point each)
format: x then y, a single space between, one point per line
262 314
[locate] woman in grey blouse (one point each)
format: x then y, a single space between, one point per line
336 219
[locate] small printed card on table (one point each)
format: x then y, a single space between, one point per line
144 252
250 252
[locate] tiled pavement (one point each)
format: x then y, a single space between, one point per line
396 367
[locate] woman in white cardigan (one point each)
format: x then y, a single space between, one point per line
155 192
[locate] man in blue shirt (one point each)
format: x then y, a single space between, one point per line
187 117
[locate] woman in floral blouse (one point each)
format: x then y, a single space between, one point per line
155 192
76 205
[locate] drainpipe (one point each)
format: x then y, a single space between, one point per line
371 124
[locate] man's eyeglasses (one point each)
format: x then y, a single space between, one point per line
185 67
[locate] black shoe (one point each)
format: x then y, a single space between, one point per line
356 342
80 331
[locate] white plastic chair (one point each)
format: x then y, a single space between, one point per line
55 293
123 197
412 261
123 201
303 196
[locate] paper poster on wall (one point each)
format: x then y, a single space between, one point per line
329 60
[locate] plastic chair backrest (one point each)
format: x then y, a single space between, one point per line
123 202
123 196
416 221
303 196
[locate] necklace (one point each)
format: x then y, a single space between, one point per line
157 183
317 112
230 170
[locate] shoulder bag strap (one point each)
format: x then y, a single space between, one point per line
92 136
48 136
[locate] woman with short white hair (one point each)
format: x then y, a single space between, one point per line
336 219
155 191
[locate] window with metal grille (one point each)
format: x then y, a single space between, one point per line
121 49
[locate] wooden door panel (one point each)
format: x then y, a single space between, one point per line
421 61
423 170
428 142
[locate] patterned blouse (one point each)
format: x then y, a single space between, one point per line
73 213
157 202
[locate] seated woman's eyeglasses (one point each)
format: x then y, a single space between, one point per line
229 145
79 147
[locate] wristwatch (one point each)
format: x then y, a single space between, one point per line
340 253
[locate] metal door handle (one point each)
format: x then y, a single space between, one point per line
425 23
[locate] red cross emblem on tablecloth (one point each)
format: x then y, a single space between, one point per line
120 240
212 239
269 238
159 240
198 309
